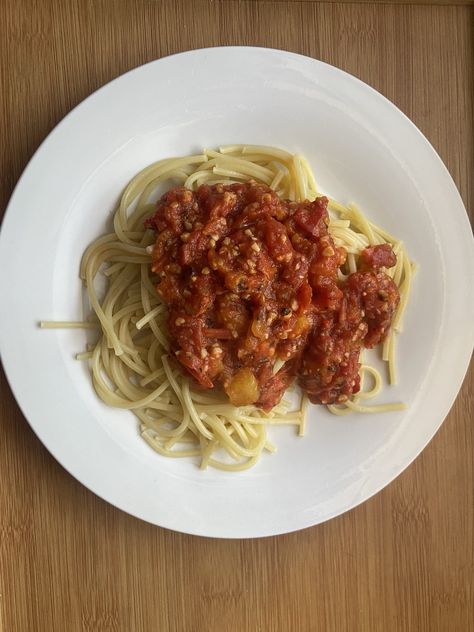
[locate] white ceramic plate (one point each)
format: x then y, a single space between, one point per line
362 149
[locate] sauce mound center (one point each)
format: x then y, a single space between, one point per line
258 293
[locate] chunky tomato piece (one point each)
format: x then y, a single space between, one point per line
375 257
313 217
277 241
274 385
378 297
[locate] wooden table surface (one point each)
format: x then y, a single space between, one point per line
404 560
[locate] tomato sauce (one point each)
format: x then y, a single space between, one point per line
250 279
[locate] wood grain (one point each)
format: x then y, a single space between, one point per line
404 560
411 2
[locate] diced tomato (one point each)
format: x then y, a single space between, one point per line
278 243
196 367
378 297
380 256
304 296
273 386
313 217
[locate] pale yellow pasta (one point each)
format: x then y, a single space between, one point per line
129 362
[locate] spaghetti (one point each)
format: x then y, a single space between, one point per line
130 362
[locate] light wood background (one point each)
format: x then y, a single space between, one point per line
403 561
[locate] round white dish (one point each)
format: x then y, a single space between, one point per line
362 149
